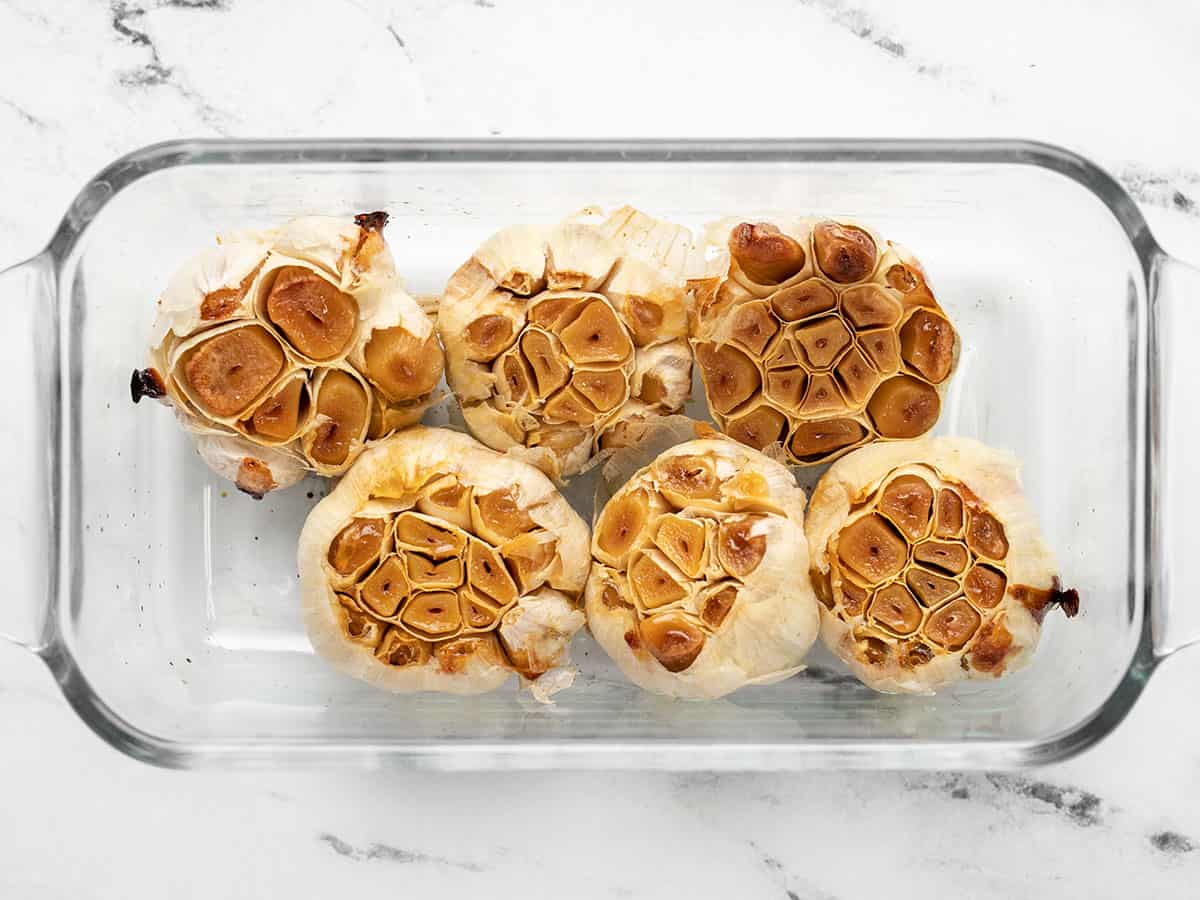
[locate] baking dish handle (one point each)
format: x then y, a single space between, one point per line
1174 454
29 432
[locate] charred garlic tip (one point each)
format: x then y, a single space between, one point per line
555 335
929 564
821 337
289 349
437 564
698 583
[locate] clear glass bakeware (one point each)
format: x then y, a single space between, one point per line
165 602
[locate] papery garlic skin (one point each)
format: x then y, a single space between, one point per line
554 334
820 336
975 576
248 334
743 612
435 515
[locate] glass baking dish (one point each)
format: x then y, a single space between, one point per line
165 603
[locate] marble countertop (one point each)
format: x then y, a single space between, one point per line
82 82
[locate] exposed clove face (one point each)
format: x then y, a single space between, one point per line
342 409
228 371
765 254
401 365
315 316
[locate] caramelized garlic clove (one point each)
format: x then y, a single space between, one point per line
429 574
753 326
315 316
449 499
342 408
949 514
228 371
927 344
822 341
786 386
596 336
882 348
984 586
429 536
822 396
653 582
717 602
741 545
356 625
487 575
845 253
279 417
819 440
758 428
401 650
385 590
434 614
904 407
498 515
603 389
401 365
894 608
685 478
908 502
871 547
621 521
684 542
765 254
856 377
356 545
985 535
931 587
730 377
800 301
488 336
674 640
870 306
948 556
953 625
568 407
543 356
530 558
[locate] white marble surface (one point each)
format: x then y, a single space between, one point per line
82 82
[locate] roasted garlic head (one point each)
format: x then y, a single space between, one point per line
554 334
286 351
929 564
437 564
698 584
821 337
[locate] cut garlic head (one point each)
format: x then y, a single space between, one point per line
553 335
437 564
698 584
929 564
821 337
289 349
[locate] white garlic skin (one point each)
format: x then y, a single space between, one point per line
774 620
993 476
